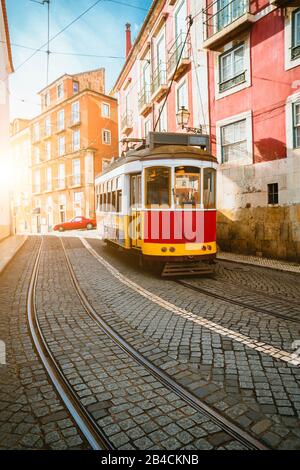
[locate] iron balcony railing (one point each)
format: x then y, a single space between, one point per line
180 48
127 120
76 180
144 97
295 52
237 80
159 78
221 13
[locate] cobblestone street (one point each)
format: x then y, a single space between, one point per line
197 363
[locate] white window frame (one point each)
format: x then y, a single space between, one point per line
76 171
102 112
47 99
49 179
48 150
163 120
48 126
76 146
288 41
289 116
61 175
74 121
75 92
61 139
36 131
182 83
247 67
61 113
76 202
60 86
249 137
37 155
104 131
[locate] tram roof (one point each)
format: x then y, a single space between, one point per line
162 152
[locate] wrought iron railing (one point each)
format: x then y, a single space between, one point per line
127 120
144 96
159 78
221 13
180 48
295 52
241 78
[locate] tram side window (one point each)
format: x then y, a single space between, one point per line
113 201
157 186
119 201
104 202
187 186
209 189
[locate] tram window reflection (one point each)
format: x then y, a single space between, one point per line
209 190
187 186
158 186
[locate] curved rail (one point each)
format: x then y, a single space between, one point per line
84 420
237 302
229 427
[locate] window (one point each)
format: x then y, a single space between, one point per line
48 150
76 172
78 200
157 183
75 87
62 208
36 132
295 34
182 96
106 137
75 112
209 188
48 179
37 156
60 91
119 201
233 141
228 11
47 99
61 176
136 191
187 186
273 193
296 124
147 127
61 146
61 120
232 68
48 126
162 123
105 110
76 140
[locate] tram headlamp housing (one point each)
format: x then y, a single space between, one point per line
172 249
164 249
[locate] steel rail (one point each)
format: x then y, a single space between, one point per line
237 433
237 302
84 420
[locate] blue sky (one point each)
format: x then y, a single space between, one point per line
101 31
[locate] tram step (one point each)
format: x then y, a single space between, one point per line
186 269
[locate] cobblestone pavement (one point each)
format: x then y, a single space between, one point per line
259 392
31 414
132 407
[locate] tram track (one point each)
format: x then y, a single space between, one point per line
240 303
88 426
247 440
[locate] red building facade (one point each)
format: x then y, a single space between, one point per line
254 106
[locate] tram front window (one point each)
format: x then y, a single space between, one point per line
209 189
157 186
187 186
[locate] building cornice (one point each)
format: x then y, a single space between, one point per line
7 36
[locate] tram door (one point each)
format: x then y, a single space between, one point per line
135 206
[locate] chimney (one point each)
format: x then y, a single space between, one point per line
128 39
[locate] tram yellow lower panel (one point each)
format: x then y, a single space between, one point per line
182 249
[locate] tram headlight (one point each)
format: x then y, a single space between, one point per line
172 249
164 249
203 248
209 247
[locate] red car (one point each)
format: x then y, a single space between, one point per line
76 223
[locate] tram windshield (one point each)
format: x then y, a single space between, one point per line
187 186
157 182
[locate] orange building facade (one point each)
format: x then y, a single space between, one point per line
71 140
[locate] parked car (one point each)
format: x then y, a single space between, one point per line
75 224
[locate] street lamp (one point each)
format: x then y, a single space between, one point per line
183 116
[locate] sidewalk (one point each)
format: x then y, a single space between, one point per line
9 247
257 261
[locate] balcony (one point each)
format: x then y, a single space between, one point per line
75 120
224 23
179 54
145 104
159 86
127 122
61 183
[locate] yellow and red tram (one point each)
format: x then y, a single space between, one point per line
159 201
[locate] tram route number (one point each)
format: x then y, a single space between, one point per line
151 459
